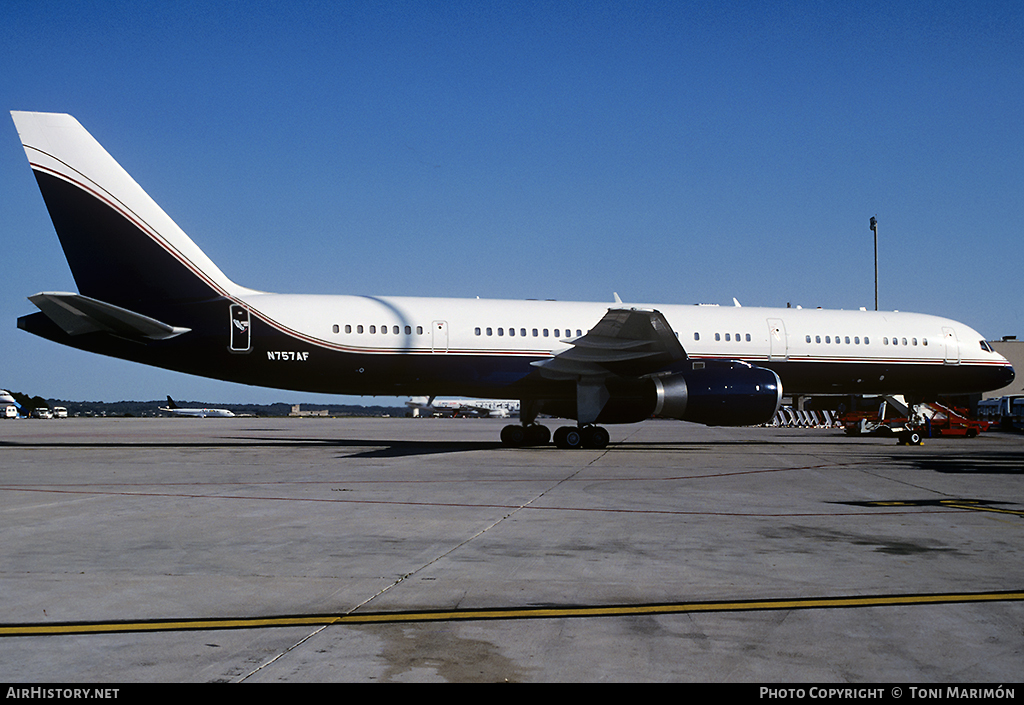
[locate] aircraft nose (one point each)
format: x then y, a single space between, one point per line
1006 375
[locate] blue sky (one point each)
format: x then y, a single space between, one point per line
674 152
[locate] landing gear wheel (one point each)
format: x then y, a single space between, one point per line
513 436
595 437
537 435
568 437
909 438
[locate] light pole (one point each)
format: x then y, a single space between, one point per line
874 229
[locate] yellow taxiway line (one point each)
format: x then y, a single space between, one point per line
553 612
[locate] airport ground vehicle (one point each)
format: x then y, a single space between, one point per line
912 424
1005 413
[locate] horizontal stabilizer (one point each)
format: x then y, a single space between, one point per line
77 315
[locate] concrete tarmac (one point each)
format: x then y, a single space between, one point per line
375 550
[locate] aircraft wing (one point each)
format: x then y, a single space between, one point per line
628 342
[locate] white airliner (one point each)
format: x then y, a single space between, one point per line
493 408
173 408
147 293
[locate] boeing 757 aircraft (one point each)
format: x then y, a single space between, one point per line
147 293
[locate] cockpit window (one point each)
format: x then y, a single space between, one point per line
985 346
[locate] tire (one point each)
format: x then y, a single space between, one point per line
513 436
537 435
909 438
595 437
568 437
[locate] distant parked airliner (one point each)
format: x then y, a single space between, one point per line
494 408
173 408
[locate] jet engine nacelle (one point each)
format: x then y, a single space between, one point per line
712 392
718 394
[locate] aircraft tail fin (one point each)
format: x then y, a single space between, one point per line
170 403
123 249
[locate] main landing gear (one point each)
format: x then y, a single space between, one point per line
531 433
589 436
